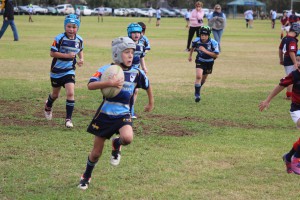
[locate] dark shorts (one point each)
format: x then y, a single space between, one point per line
206 66
108 127
60 82
247 20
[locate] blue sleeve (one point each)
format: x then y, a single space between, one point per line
142 80
97 76
194 42
56 43
215 46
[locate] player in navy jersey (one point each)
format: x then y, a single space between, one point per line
292 158
134 32
113 115
62 73
207 51
144 39
287 53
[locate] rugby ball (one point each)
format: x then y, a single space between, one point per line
113 70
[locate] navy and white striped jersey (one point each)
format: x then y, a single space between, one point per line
146 42
118 106
64 66
138 54
211 45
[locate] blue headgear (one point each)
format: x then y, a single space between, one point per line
132 28
72 19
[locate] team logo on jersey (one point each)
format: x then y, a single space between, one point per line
77 45
132 77
209 47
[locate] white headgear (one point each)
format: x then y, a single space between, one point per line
119 45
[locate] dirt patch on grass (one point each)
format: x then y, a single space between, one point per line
25 114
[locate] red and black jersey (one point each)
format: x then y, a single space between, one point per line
293 18
288 44
293 78
284 21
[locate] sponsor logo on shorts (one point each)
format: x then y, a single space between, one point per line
95 126
127 120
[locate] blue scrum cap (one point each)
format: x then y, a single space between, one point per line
72 19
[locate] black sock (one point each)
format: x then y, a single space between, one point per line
290 154
117 143
50 101
297 152
69 108
89 168
197 89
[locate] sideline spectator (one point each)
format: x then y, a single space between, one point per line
273 14
30 12
196 21
8 17
249 18
158 16
100 13
217 22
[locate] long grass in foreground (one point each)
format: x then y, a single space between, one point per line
221 148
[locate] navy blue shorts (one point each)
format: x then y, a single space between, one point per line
105 127
206 66
60 82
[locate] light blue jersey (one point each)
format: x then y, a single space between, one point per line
64 66
118 106
211 45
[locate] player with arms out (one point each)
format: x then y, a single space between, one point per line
113 116
287 53
292 158
64 50
207 51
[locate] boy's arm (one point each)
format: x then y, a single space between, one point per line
143 64
62 55
150 105
191 53
265 104
293 57
280 56
212 54
112 82
81 59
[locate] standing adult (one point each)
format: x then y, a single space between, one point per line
30 13
249 18
100 13
78 13
158 16
196 21
8 17
217 23
273 18
150 14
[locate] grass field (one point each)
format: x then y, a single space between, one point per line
221 148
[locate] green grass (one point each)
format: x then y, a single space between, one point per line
221 148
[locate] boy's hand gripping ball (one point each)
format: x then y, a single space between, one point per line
113 70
